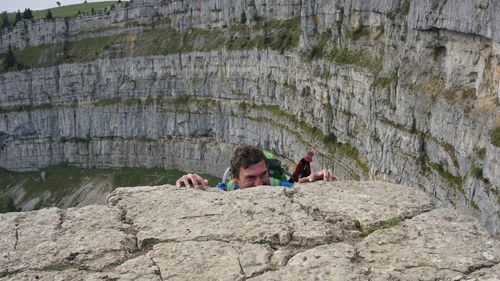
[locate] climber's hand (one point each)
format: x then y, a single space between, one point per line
325 175
328 175
192 180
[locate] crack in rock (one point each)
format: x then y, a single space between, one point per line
130 245
114 199
393 222
62 217
242 272
256 273
123 216
200 216
157 270
356 257
289 194
18 221
474 268
72 256
135 245
7 272
411 215
315 213
287 257
259 273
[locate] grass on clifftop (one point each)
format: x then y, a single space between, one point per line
72 10
280 35
62 180
65 11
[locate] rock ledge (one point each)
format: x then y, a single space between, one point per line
320 231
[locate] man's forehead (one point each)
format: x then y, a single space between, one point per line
254 167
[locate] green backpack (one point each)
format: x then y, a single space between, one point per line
274 167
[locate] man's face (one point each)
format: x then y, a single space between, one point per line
309 156
254 175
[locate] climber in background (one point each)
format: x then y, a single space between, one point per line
249 169
303 169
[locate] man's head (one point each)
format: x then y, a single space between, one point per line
309 155
249 166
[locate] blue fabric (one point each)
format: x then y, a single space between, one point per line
286 184
223 185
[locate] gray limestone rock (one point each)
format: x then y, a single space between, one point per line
418 106
439 244
326 262
219 213
210 259
52 239
374 202
260 233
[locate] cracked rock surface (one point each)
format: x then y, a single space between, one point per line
317 231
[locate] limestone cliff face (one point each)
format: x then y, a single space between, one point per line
419 108
326 231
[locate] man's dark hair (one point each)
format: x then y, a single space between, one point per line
245 156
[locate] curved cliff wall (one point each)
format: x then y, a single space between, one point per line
406 91
151 105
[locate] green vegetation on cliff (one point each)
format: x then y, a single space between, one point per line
380 225
26 108
356 34
7 205
159 39
278 35
426 166
495 136
329 140
326 48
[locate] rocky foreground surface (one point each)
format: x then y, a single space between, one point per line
319 231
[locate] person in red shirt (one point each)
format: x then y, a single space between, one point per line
303 170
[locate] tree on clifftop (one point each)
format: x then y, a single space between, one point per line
27 14
18 17
49 15
5 20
